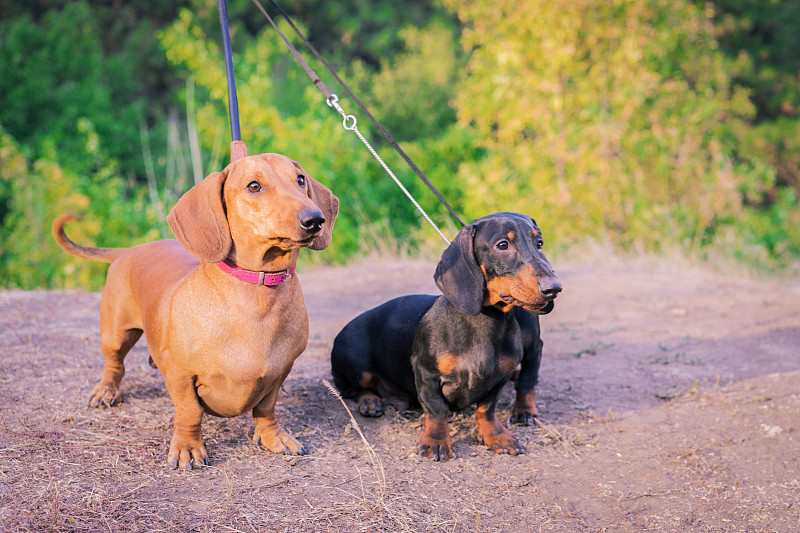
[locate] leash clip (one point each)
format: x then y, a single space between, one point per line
349 122
349 128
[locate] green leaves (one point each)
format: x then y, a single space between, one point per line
640 123
281 112
613 120
36 192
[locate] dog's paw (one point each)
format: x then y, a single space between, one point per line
436 449
187 454
371 405
524 418
525 412
503 443
105 395
278 442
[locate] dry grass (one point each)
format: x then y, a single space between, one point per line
717 458
105 471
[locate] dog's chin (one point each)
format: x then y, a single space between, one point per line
292 243
549 306
308 241
538 309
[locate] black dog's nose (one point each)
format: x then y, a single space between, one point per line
549 287
311 220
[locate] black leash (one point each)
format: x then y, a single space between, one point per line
328 95
238 148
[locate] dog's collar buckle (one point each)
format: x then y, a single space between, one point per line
270 279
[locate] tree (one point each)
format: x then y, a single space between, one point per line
604 118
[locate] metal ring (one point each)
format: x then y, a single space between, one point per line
344 122
332 100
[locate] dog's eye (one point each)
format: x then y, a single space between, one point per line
254 186
301 180
502 245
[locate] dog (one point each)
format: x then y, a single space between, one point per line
220 307
448 352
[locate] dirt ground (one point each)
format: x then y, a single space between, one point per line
669 396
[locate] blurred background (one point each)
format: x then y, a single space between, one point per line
644 126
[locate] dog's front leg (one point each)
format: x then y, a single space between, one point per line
436 442
525 412
186 450
268 432
490 430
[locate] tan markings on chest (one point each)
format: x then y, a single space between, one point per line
506 364
448 363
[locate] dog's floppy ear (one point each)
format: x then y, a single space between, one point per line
458 275
198 220
327 203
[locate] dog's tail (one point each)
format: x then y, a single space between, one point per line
87 252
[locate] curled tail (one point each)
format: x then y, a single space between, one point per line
87 252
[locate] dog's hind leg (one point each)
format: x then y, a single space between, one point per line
372 393
351 374
117 337
370 402
107 391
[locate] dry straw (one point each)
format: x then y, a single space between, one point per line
375 460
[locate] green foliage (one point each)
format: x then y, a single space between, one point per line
63 140
50 79
762 44
645 123
281 113
772 234
346 30
606 119
38 192
761 40
413 88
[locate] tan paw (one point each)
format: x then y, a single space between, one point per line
436 449
502 442
187 453
105 395
278 441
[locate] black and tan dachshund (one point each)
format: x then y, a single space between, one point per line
449 352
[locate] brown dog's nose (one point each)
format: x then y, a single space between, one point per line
549 287
311 220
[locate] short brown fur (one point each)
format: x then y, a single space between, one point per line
224 346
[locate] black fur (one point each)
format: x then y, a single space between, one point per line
449 352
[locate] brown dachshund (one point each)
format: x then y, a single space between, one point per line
221 310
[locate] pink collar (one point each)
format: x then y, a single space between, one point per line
251 276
